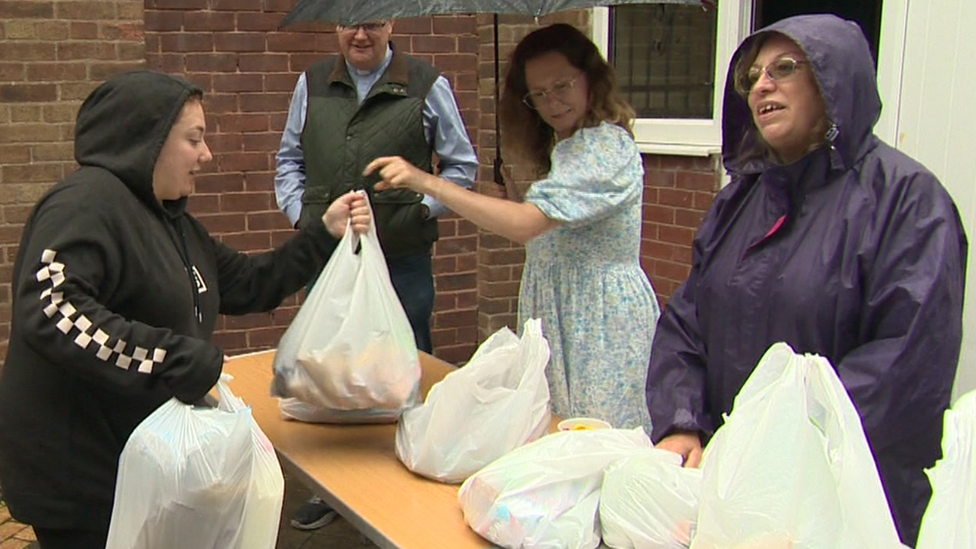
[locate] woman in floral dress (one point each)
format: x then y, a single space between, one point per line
580 224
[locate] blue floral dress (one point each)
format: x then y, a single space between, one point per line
584 278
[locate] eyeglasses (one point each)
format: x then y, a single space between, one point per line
780 69
560 90
370 28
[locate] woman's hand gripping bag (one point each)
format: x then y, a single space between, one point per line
545 494
649 501
349 355
791 467
497 402
950 518
207 477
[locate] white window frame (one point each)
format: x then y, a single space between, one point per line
688 137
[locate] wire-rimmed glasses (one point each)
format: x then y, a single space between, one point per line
560 90
781 68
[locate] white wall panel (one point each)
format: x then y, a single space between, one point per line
927 75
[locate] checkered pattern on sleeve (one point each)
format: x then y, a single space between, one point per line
71 323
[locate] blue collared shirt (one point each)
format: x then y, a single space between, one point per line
442 123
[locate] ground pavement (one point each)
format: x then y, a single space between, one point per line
338 535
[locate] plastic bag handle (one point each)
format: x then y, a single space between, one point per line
367 242
351 242
229 402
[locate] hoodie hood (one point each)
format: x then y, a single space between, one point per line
844 70
123 124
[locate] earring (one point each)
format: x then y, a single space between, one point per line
832 133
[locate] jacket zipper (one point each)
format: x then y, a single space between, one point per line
188 267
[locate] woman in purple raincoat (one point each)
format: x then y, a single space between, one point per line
827 239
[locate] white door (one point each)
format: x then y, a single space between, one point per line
927 77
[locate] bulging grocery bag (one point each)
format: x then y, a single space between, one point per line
349 355
545 494
207 477
266 493
950 518
791 466
497 402
649 501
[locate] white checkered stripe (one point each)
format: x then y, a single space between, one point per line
55 307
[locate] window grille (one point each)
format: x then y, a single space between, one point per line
664 56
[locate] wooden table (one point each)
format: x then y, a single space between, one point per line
355 470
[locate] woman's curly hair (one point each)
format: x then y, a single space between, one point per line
524 131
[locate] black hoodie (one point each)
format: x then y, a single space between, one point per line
115 300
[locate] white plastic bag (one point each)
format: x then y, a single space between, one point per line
497 402
649 501
266 494
207 477
791 466
950 518
349 355
546 493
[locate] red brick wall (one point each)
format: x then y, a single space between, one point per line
51 55
678 190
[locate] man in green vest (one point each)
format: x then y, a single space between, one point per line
367 102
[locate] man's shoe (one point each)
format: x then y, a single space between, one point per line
313 515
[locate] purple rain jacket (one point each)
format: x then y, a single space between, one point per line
867 270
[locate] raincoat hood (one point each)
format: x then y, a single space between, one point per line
122 125
843 68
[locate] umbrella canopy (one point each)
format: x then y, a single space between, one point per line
348 12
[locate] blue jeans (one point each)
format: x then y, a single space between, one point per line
413 281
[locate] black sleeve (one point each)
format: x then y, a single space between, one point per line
71 253
260 282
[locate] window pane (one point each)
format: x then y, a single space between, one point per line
664 55
867 14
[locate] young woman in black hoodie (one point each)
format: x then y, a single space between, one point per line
116 292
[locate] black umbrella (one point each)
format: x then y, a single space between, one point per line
349 12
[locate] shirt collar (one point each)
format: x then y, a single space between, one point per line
357 73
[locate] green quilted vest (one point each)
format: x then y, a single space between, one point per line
341 137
